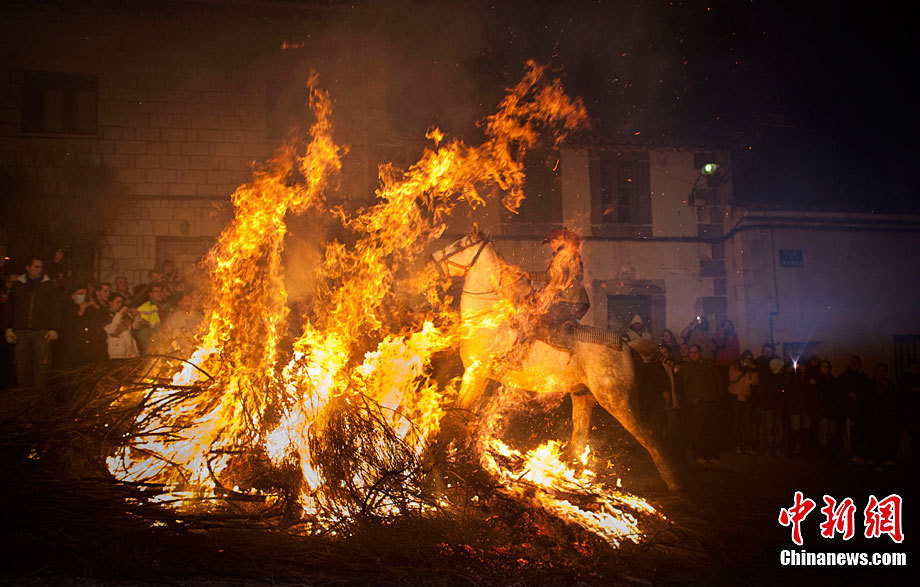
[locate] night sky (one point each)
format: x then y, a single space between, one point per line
815 97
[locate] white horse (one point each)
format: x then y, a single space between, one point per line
604 371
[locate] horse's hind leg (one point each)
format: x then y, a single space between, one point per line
582 402
627 418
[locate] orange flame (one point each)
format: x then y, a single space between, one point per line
365 342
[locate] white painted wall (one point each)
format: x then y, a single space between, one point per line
858 288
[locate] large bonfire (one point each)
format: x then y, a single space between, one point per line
353 407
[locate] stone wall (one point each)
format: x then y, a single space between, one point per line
189 98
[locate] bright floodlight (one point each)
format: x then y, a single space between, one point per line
709 169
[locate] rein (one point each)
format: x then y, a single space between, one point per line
464 268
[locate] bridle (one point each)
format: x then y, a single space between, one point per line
464 268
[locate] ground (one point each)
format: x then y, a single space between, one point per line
722 528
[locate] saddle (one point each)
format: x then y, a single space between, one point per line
560 337
565 336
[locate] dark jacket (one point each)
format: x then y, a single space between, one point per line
701 380
830 398
769 391
803 393
83 339
33 306
854 388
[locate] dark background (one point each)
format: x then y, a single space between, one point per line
815 98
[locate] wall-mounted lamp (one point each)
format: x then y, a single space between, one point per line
707 170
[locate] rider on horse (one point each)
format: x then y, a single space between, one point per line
564 300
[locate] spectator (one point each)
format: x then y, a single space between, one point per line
664 416
886 408
768 396
59 270
7 364
637 330
854 387
140 295
33 316
122 287
83 339
697 333
180 329
651 402
727 349
91 288
683 352
742 378
669 340
103 294
153 312
123 321
640 342
910 390
803 401
830 418
701 389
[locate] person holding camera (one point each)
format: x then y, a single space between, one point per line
120 329
697 333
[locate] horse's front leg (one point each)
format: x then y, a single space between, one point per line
473 385
582 403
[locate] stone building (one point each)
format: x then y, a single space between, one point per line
172 103
664 241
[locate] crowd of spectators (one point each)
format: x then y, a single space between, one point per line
699 393
52 320
702 395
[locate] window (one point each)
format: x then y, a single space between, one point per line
906 350
59 103
621 309
543 191
620 188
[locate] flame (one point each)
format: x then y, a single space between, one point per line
541 477
370 346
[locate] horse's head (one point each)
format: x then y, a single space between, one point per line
457 258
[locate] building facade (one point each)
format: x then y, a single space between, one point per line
172 103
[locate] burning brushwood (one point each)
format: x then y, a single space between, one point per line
355 408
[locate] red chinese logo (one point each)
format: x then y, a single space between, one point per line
838 518
884 517
793 516
881 517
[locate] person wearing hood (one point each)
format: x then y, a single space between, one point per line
33 316
640 340
637 329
